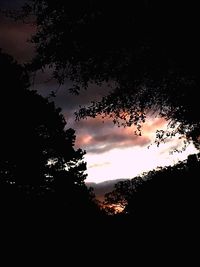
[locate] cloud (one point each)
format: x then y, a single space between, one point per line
66 100
13 39
97 165
12 4
97 137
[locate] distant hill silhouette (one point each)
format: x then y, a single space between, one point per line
100 189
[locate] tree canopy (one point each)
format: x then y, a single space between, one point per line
38 161
147 51
169 194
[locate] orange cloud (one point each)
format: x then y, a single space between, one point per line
98 137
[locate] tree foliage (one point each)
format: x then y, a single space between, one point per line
170 193
148 51
38 161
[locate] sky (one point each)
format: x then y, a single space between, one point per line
112 152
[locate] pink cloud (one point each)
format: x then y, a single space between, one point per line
98 137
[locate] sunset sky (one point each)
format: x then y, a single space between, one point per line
112 152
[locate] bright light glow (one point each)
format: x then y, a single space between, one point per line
129 162
132 161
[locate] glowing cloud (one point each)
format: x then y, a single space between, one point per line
121 154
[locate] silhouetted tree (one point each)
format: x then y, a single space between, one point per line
38 162
147 50
168 195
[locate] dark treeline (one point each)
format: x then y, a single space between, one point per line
40 171
169 194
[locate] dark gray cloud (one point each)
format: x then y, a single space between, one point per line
45 84
102 147
11 4
66 100
13 39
